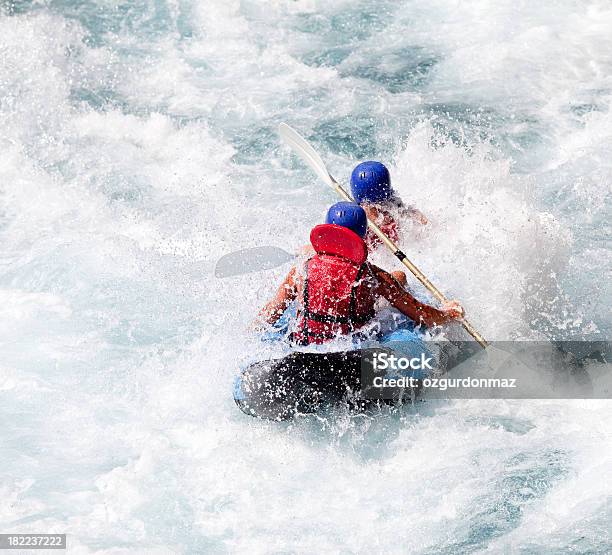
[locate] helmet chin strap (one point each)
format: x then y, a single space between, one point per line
308 154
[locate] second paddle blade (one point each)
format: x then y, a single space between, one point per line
249 260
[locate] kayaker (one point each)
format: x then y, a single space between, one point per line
337 288
371 189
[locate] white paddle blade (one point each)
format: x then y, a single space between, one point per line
303 149
250 260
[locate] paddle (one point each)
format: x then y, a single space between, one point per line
250 260
305 151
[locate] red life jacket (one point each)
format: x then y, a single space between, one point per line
338 296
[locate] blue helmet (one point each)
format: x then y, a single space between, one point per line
350 215
371 182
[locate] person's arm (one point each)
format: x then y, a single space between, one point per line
389 288
411 213
286 293
416 215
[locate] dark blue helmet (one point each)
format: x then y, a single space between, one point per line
371 182
348 214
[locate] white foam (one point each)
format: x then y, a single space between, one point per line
136 150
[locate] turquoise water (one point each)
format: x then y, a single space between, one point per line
138 144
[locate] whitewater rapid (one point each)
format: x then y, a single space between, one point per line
138 144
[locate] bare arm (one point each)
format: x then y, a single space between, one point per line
416 215
286 293
412 213
389 288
